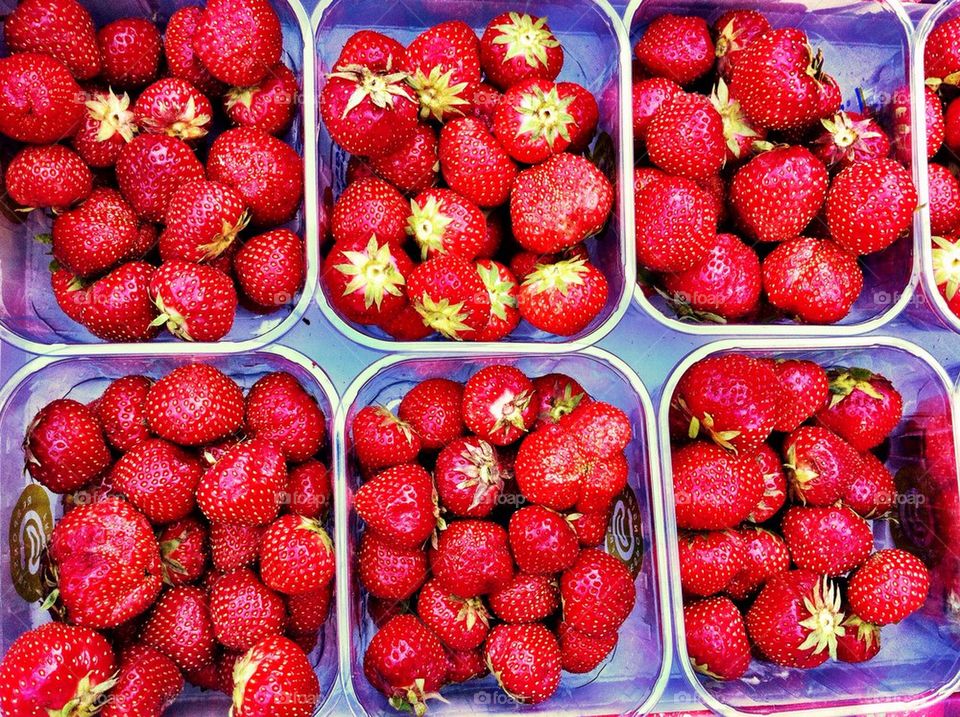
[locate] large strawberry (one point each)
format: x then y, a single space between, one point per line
472 558
96 235
182 61
194 404
686 137
474 164
499 404
399 505
159 479
598 593
48 177
381 439
40 102
148 682
450 296
151 168
864 407
130 49
62 29
533 122
370 207
413 166
709 561
525 659
517 46
764 555
274 679
443 222
563 298
443 62
244 611
296 555
269 106
678 47
180 627
714 489
238 40
366 279
735 30
460 624
388 571
469 476
829 541
203 219
550 468
542 541
819 465
280 410
105 128
891 585
433 409
245 485
716 638
122 411
676 224
196 302
270 268
175 107
65 447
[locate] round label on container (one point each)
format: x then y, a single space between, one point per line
31 524
625 534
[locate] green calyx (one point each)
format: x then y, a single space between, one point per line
502 291
526 37
175 322
88 698
380 89
227 235
373 272
825 620
735 124
946 265
439 97
444 317
427 224
559 276
845 381
545 115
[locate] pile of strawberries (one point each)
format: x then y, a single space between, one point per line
192 547
152 224
469 196
484 505
757 193
775 484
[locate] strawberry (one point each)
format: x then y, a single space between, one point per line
741 137
940 128
119 308
450 296
870 205
804 389
678 47
274 679
62 29
245 486
105 128
941 55
649 95
686 137
175 107
178 50
270 268
151 168
388 571
580 653
460 624
413 166
603 480
890 586
244 610
503 291
864 407
549 468
499 404
516 47
96 235
872 492
148 682
183 548
734 30
296 555
269 105
559 203
465 665
849 138
483 104
525 659
238 41
234 545
716 639
474 164
709 561
196 302
194 404
774 486
108 580
40 102
676 224
602 429
944 200
130 49
65 446
591 528
563 298
121 410
726 283
557 396
280 410
949 129
370 207
860 641
443 63
598 593
366 279
472 558
442 222
309 611
70 292
406 662
532 122
309 490
796 619
266 171
181 628
714 490
159 479
469 477
815 280
585 112
399 505
55 667
542 541
779 192
433 410
526 598
374 49
381 440
765 554
203 219
819 465
830 541
48 177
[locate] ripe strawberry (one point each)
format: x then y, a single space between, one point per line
122 411
676 224
765 554
579 653
830 541
709 561
309 490
948 128
233 545
433 409
714 490
864 407
40 102
585 112
677 47
48 177
870 205
399 505
602 429
244 610
245 486
183 548
274 679
96 235
374 49
130 49
499 404
55 667
941 55
443 63
686 137
598 593
203 219
280 410
483 104
118 305
739 133
174 107
309 611
62 29
849 138
890 586
148 682
563 298
550 468
815 280
406 662
503 291
559 203
819 465
472 558
469 477
526 598
269 105
525 659
196 302
413 166
533 122
774 486
717 644
159 479
734 30
105 128
461 624
804 389
65 447
370 207
388 571
181 628
474 164
542 541
591 528
649 95
465 665
800 180
557 396
151 168
450 296
182 61
365 279
442 222
872 492
70 292
107 581
296 555
194 404
381 440
944 200
516 47
238 41
860 641
270 268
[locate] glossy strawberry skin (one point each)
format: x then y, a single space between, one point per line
550 468
450 296
499 404
819 465
65 446
864 408
526 661
649 95
60 28
94 237
709 561
202 219
448 47
238 40
185 550
388 571
519 126
234 545
41 103
541 540
405 658
563 298
765 554
130 49
713 489
526 598
469 476
676 47
381 439
269 106
830 541
414 165
474 164
180 627
686 137
148 683
244 610
944 200
774 485
245 486
399 505
296 556
472 558
173 106
543 60
309 489
434 409
370 207
279 681
942 52
873 492
122 411
460 624
119 308
676 224
271 268
181 59
194 404
716 638
805 387
50 176
159 479
735 30
198 301
151 168
888 587
598 593
279 409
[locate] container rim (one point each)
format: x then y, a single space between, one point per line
310 239
778 331
627 232
656 507
673 561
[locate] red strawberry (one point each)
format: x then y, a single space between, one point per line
516 47
370 207
533 122
309 611
108 580
717 644
864 407
183 548
815 280
941 55
830 541
118 306
849 138
563 298
280 410
296 555
872 492
175 107
413 166
96 235
549 468
598 593
765 554
580 653
381 440
559 203
713 489
40 102
525 659
238 40
557 395
686 137
443 63
890 586
196 302
433 410
472 558
309 490
499 404
55 667
739 133
940 128
591 528
503 291
130 49
469 477
366 279
266 171
944 200
709 561
602 429
70 291
151 168
122 411
735 30
676 224
159 479
203 219
399 505
649 95
483 104
465 665
585 112
388 571
194 404
949 128
245 486
774 486
274 679
450 296
860 641
870 205
182 61
62 29
526 598
181 628
542 541
233 545
244 610
65 446
819 465
367 47
269 106
406 662
461 624
443 222
804 389
105 128
48 177
270 268
678 47
474 164
148 682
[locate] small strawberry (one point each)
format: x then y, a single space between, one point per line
443 63
309 489
550 467
603 430
296 555
174 107
184 550
598 593
65 446
244 611
709 561
370 207
269 105
678 47
309 611
93 237
122 411
130 49
62 29
118 306
526 598
890 586
366 279
48 177
413 166
442 222
525 659
280 410
686 137
274 679
159 478
433 409
714 490
649 95
849 138
676 224
734 30
516 47
70 292
399 505
196 302
774 486
148 682
450 296
557 395
830 541
765 554
474 164
406 662
591 528
461 624
381 440
542 541
563 298
245 486
860 641
872 492
580 653
238 41
950 129
472 558
819 465
499 404
503 290
717 644
40 102
234 546
483 104
804 389
181 628
944 200
388 571
151 168
105 128
470 477
465 665
864 407
533 122
194 404
270 268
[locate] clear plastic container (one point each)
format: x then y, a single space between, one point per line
865 45
919 660
30 511
633 678
29 316
597 57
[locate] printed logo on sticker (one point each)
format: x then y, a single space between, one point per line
624 533
31 524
